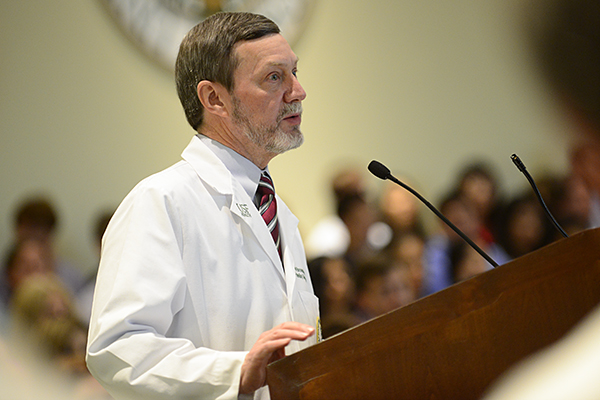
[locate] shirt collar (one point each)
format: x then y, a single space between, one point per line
243 170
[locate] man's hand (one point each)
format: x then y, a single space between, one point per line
268 348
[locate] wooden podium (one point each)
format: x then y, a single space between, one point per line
452 344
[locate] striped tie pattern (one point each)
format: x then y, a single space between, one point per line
267 206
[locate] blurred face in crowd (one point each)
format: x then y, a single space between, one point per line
399 207
409 251
400 288
526 227
470 265
374 299
480 191
31 259
463 217
340 286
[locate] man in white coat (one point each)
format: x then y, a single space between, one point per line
193 299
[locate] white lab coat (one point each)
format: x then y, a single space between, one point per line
188 280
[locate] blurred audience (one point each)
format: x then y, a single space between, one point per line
524 227
478 187
330 236
382 286
355 229
408 250
465 262
359 216
437 258
36 219
44 321
334 286
43 311
25 259
400 286
400 210
41 326
421 263
372 297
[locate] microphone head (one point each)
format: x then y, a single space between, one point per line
518 163
379 170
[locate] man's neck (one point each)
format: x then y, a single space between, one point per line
239 143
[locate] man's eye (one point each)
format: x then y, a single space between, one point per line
274 77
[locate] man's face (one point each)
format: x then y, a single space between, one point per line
267 96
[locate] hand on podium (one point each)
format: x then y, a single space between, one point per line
269 347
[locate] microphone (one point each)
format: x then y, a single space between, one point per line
519 164
383 172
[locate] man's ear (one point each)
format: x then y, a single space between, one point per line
214 98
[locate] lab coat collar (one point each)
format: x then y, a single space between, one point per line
242 169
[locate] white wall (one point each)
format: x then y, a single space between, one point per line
423 86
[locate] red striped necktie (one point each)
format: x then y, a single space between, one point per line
267 206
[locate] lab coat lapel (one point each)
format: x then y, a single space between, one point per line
237 200
288 227
248 214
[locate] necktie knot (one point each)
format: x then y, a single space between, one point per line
265 192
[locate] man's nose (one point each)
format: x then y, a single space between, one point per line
296 91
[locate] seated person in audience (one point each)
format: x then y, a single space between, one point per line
400 211
330 236
26 258
36 218
524 226
465 262
438 273
401 291
359 216
478 186
408 250
372 289
334 286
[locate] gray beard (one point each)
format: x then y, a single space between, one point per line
270 138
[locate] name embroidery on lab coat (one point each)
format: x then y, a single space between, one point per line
300 273
243 209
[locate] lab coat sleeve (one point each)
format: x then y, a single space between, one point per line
140 289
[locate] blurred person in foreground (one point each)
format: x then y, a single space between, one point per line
25 259
585 166
51 335
568 45
197 290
